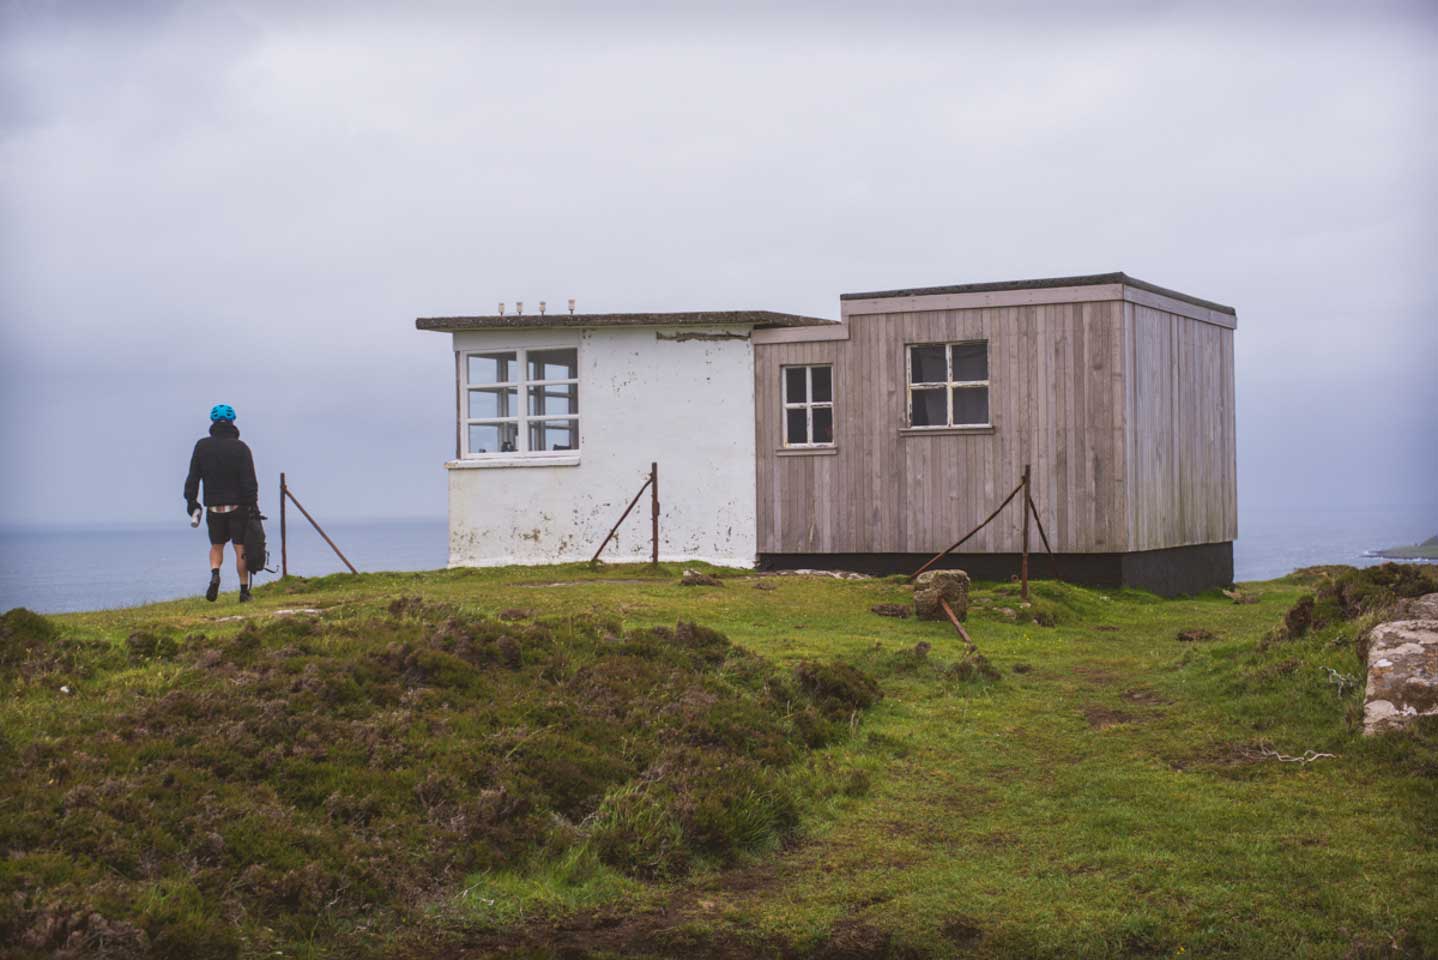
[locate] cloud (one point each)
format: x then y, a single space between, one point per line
254 201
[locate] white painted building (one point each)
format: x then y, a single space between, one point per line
866 444
559 417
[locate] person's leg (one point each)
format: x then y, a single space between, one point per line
237 533
219 533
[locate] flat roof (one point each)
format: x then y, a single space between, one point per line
700 318
1089 280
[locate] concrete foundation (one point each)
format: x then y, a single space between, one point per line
1176 571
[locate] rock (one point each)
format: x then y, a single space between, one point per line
1422 607
890 610
834 574
936 585
1194 635
1415 608
693 578
1402 673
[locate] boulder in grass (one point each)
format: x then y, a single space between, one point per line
936 585
1402 674
694 578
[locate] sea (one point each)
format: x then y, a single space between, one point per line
66 570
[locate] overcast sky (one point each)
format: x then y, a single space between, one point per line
250 203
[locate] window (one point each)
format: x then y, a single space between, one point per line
521 402
949 384
808 406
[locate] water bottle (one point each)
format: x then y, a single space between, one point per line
195 517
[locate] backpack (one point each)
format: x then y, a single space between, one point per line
257 556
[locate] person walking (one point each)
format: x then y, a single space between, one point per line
224 464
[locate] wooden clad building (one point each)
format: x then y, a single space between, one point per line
882 439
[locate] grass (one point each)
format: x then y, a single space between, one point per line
1109 794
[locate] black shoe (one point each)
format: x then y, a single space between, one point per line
214 589
245 595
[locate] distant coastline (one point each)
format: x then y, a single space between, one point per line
1427 550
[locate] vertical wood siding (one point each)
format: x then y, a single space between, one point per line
1182 481
1125 413
1057 401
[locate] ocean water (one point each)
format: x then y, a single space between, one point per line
1272 542
57 571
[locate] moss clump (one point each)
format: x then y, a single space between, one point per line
300 782
147 646
838 689
1346 594
23 632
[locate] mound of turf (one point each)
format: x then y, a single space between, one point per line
318 785
1310 667
1346 595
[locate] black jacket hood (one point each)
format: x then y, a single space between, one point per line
224 428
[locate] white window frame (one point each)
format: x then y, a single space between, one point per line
949 385
808 405
521 384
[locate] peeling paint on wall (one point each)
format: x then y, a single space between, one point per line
685 402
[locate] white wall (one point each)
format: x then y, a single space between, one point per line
687 404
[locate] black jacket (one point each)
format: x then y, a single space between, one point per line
224 462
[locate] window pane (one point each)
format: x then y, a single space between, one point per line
930 410
797 427
823 384
794 388
971 405
927 364
493 437
493 402
823 424
554 399
554 364
971 361
492 368
554 435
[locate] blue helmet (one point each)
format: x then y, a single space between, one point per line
222 411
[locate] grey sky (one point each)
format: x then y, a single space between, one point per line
238 202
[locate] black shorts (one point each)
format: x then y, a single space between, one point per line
227 527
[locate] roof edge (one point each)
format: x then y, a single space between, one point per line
759 319
1087 280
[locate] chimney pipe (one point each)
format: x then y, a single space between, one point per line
571 306
541 308
501 308
519 308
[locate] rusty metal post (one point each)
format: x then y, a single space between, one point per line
612 530
1053 562
654 513
1024 566
291 495
953 618
284 534
965 538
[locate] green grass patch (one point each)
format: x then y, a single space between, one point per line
538 762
